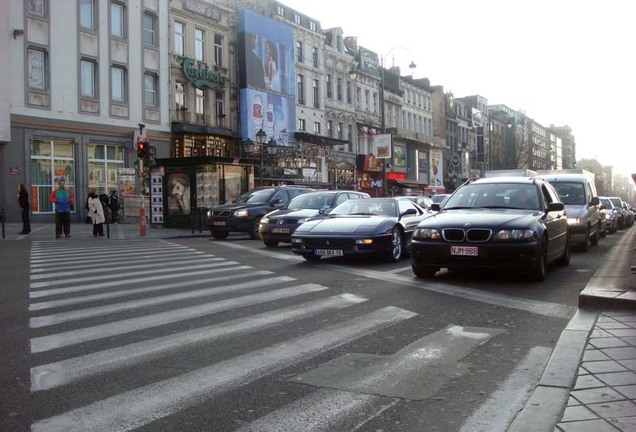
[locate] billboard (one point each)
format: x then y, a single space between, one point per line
437 168
267 76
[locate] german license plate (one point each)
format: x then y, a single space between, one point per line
281 230
464 250
218 223
328 252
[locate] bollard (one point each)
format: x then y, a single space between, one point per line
142 221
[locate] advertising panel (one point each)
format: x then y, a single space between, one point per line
382 146
437 168
267 76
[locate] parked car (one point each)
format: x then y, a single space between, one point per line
421 200
279 225
629 214
578 194
438 198
621 213
244 213
358 227
497 223
611 214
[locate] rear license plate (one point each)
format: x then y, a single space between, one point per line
328 252
464 250
281 230
218 223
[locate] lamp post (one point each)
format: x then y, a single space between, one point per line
260 140
412 65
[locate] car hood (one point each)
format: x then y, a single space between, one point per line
341 225
292 213
575 211
482 217
239 206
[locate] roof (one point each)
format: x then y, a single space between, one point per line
507 179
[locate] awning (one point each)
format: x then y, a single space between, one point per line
180 127
318 139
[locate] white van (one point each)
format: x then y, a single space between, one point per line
578 193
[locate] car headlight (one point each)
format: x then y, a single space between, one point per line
209 213
303 220
241 213
515 235
574 221
426 234
264 220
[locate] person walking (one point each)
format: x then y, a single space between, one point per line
96 211
25 207
113 203
63 200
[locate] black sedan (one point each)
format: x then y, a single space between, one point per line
357 227
279 225
516 223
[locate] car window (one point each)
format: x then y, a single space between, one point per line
256 196
572 193
341 198
281 195
404 205
495 195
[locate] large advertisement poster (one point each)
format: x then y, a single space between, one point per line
437 168
267 76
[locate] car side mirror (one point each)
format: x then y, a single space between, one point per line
555 207
602 207
595 201
435 207
407 212
324 210
277 203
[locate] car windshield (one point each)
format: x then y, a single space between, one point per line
438 198
616 202
257 196
571 193
311 201
495 195
380 207
607 203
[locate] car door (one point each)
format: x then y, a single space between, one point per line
409 222
556 223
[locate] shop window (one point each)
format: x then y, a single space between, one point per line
104 160
50 160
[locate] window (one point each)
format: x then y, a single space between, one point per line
199 108
50 160
218 50
88 78
297 18
199 44
340 130
314 55
301 90
104 160
367 101
118 84
36 7
317 128
150 89
358 92
280 10
301 124
87 14
299 51
330 129
150 29
350 134
329 86
38 68
219 104
349 91
180 96
117 20
339 89
179 38
316 92
375 103
312 25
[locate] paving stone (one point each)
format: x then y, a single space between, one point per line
596 367
628 390
573 402
617 378
623 332
588 382
629 364
611 342
598 333
622 408
625 424
597 395
577 413
630 340
594 355
613 325
587 426
626 353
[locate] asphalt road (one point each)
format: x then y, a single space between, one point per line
205 335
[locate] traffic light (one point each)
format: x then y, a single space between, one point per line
142 149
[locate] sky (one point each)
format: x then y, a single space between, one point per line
562 62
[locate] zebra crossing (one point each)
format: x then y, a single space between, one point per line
99 312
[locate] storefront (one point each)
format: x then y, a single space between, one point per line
369 174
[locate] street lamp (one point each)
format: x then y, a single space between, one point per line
261 135
412 65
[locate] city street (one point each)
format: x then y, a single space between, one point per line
196 334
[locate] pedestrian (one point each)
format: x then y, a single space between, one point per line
103 198
25 208
96 211
63 200
113 203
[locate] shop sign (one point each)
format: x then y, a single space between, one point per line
201 76
14 171
203 9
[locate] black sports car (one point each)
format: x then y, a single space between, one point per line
279 225
494 223
362 226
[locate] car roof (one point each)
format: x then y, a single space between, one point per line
565 177
507 179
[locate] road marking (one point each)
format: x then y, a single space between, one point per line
144 405
59 318
266 253
498 412
534 306
64 372
73 337
156 256
66 256
213 268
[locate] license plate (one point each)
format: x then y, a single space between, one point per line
218 223
281 230
464 250
328 252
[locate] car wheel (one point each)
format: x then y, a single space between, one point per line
219 235
396 248
539 269
586 243
565 258
270 243
594 238
254 234
423 271
311 257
